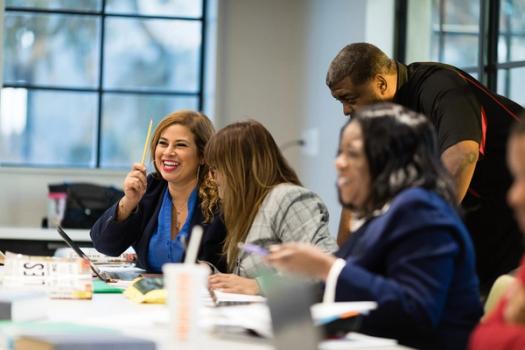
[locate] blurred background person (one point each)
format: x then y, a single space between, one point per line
504 328
413 255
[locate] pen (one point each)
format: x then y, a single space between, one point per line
253 249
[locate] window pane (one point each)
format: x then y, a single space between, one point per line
180 8
436 48
517 48
88 5
510 19
443 30
503 52
515 78
461 12
164 54
51 49
502 82
125 124
461 50
47 128
512 30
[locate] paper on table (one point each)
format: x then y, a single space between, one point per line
223 297
256 317
98 258
358 341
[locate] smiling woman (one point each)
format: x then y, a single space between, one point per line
158 211
354 177
412 255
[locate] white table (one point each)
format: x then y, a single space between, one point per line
150 321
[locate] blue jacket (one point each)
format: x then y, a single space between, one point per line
113 238
416 261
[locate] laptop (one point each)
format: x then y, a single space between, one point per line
229 299
103 275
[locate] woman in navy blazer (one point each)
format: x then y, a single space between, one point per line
158 211
412 255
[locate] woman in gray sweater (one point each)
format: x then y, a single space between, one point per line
262 200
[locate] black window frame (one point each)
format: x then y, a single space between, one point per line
100 90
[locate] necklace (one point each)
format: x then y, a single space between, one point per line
177 213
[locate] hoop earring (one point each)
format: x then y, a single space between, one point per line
198 173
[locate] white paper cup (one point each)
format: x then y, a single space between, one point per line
185 286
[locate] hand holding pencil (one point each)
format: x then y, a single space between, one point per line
135 183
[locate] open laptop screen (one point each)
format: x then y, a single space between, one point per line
100 274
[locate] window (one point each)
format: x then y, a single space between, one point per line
444 31
82 79
484 37
511 50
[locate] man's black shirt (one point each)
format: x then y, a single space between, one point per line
462 109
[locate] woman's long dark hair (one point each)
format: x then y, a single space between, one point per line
401 149
251 163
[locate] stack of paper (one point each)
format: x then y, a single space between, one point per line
61 278
256 317
98 258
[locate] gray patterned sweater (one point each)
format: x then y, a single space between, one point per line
289 213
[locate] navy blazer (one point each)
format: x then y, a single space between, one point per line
113 238
416 261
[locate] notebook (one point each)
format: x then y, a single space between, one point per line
103 275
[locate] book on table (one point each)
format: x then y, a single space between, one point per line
104 341
12 330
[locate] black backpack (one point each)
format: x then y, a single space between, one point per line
85 202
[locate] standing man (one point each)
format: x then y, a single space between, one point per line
472 124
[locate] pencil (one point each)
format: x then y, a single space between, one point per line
146 142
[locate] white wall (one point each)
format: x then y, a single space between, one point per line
329 30
23 192
260 65
271 63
